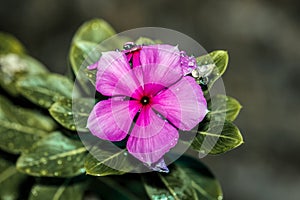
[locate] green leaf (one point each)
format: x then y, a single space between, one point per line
11 180
54 156
72 117
63 191
217 137
14 66
20 128
9 44
175 185
120 159
83 54
189 179
15 138
219 59
27 117
125 187
202 180
87 45
45 89
95 30
85 40
222 106
91 75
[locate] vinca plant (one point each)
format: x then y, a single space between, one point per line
131 120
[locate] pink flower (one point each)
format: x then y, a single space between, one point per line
150 99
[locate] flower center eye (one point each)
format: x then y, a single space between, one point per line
145 100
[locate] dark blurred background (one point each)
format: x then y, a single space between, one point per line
263 40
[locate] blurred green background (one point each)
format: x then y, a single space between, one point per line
263 41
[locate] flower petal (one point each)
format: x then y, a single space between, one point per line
163 54
183 104
111 119
114 75
160 64
151 137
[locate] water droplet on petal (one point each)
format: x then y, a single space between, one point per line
190 63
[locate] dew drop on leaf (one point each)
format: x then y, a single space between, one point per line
43 160
59 162
44 172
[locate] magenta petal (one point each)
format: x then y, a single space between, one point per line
151 137
160 64
136 59
93 66
183 104
111 119
114 75
162 54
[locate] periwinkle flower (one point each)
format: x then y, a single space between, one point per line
150 99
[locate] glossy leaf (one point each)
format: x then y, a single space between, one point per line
217 137
45 89
10 44
13 66
72 115
189 179
24 116
219 59
175 185
87 38
202 180
91 75
121 161
88 43
63 191
11 180
20 128
125 187
95 30
222 106
54 156
16 138
83 54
